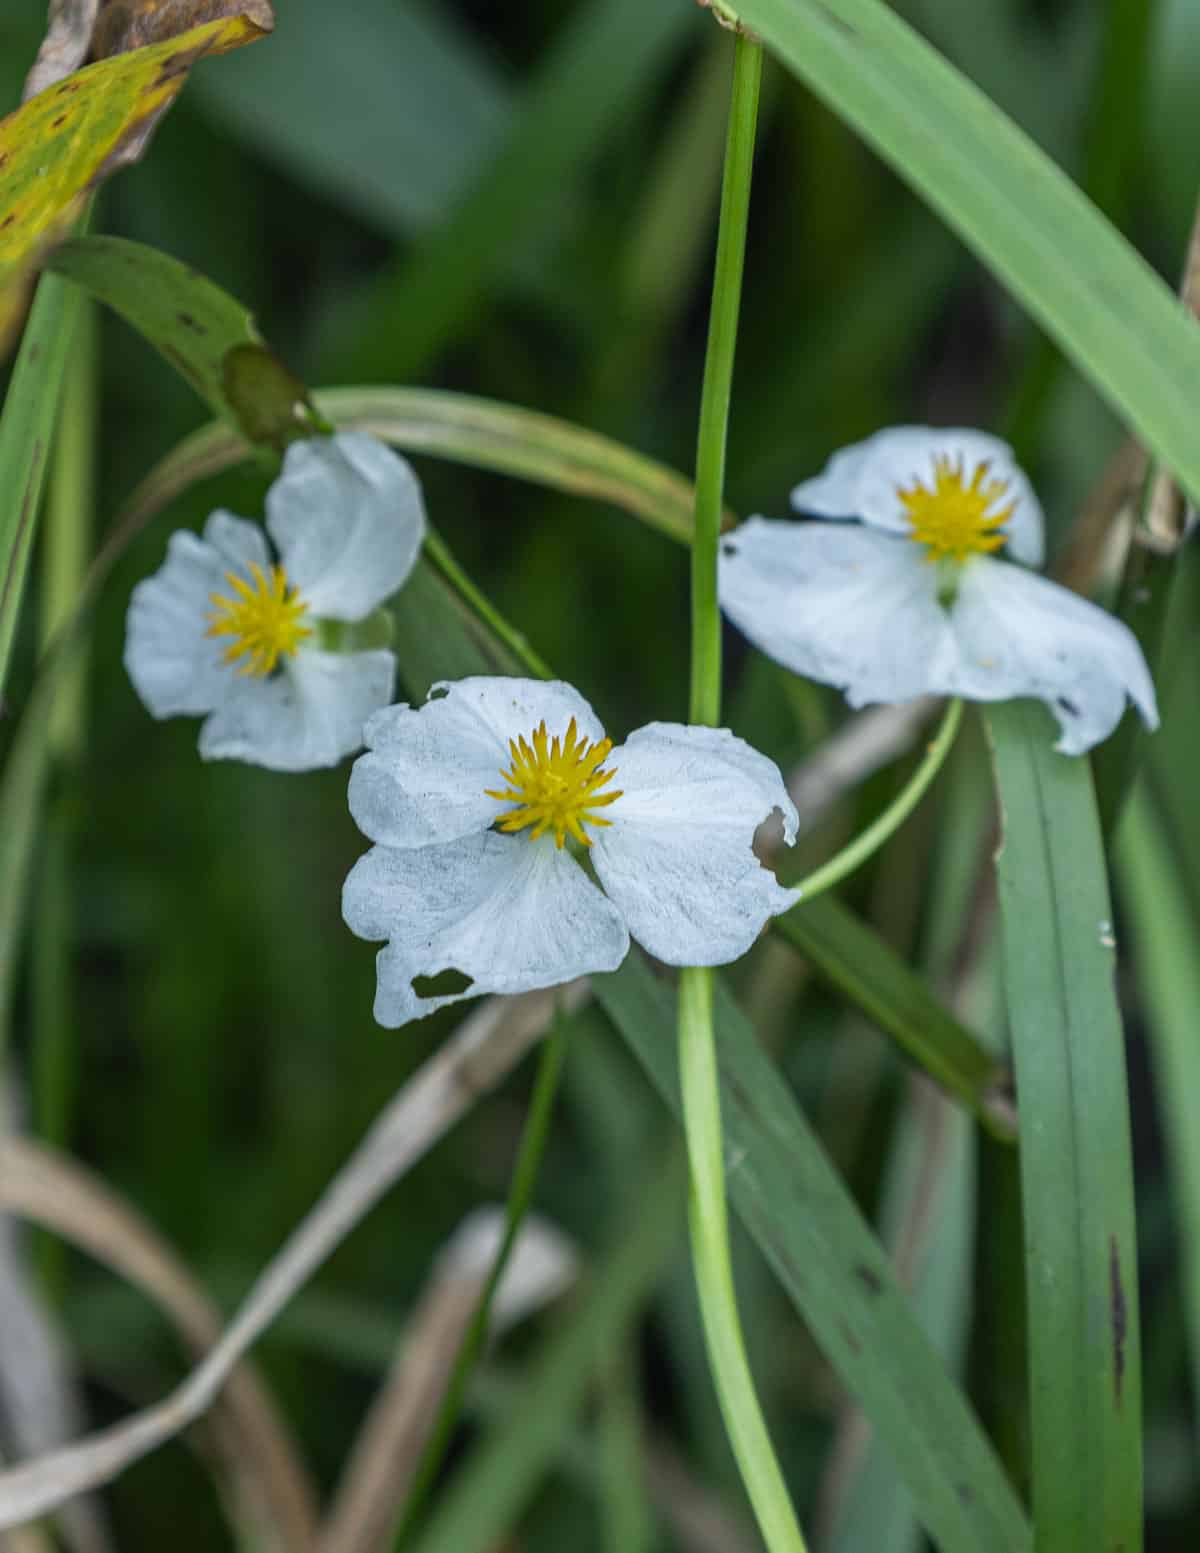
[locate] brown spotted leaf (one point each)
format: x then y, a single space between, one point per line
75 134
208 337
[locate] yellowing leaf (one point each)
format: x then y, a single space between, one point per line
73 135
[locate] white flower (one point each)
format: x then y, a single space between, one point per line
470 799
225 632
910 599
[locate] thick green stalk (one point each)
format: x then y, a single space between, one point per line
705 703
699 1079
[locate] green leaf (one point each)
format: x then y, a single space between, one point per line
26 426
1076 1169
794 1204
209 338
1019 212
1165 933
482 433
851 955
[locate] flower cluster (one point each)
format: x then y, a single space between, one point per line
512 844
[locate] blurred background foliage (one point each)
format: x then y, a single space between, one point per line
520 202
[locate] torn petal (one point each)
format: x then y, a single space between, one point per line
678 858
509 914
1019 634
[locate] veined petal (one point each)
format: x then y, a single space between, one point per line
862 481
175 666
840 603
1019 634
347 517
308 715
510 914
425 777
678 859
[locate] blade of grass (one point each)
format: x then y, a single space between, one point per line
856 960
1076 1170
26 427
1023 217
1169 973
800 1213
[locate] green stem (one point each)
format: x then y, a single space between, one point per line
438 552
699 1078
520 1193
871 839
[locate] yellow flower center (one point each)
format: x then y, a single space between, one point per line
954 520
555 785
264 619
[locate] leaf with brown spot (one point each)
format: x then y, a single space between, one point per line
208 336
72 136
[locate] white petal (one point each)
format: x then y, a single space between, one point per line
510 913
428 769
347 517
678 859
308 715
175 667
863 481
840 603
1022 635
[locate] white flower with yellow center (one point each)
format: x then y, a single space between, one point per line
227 632
912 598
478 802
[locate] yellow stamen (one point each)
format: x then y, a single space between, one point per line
263 618
555 784
952 520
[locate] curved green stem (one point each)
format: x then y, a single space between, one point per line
699 1077
438 552
871 839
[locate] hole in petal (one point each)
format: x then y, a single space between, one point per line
446 984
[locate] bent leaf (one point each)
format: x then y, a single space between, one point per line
72 136
209 338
